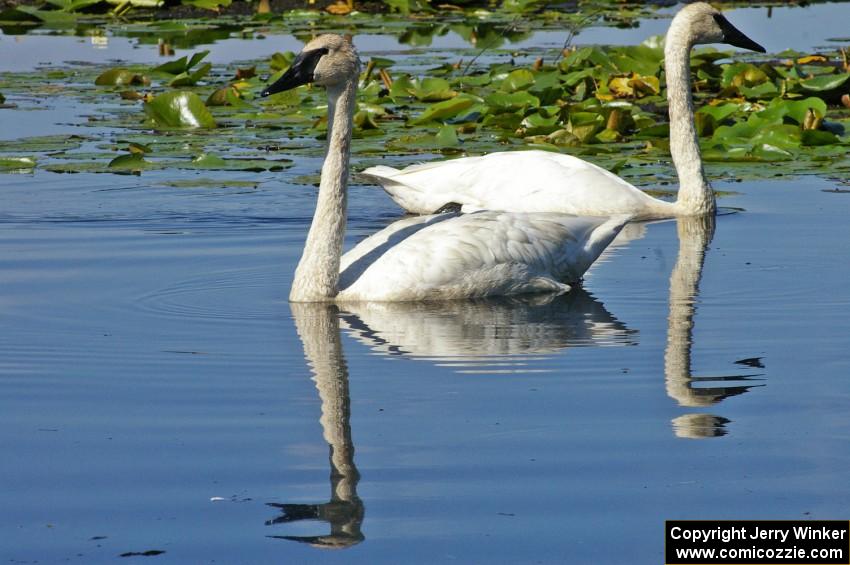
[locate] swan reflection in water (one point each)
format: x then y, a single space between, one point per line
317 325
472 330
485 335
695 235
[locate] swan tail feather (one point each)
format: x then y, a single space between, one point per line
410 197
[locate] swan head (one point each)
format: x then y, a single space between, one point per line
705 24
328 60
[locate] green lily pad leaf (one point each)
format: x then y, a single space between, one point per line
720 112
520 79
783 136
585 125
191 79
446 137
138 148
767 152
763 90
814 137
444 109
364 119
211 183
285 98
511 102
281 61
74 5
213 5
654 131
16 163
434 89
55 18
536 124
381 62
797 109
573 78
119 77
742 74
129 162
220 96
138 3
209 162
482 79
16 16
824 83
428 89
634 86
179 109
44 143
181 65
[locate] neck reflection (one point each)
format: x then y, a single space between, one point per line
318 327
695 235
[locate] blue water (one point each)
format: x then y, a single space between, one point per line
158 393
151 367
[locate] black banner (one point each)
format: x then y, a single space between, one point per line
757 542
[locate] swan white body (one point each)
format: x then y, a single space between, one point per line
540 181
445 256
438 257
525 181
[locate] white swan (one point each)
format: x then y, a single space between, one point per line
541 181
444 256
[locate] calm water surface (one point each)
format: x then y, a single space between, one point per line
158 393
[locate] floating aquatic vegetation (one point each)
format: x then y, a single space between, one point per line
17 164
605 103
179 109
120 76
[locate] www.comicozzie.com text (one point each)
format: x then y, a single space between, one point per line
727 534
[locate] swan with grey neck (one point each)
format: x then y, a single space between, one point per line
443 256
542 181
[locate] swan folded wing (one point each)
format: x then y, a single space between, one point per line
481 254
357 259
517 181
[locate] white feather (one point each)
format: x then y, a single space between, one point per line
542 181
437 257
490 253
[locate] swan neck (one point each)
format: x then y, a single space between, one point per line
317 275
695 194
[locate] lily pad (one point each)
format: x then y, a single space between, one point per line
824 83
428 89
129 162
444 109
16 163
520 79
511 102
191 79
181 65
211 162
179 109
210 183
120 76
